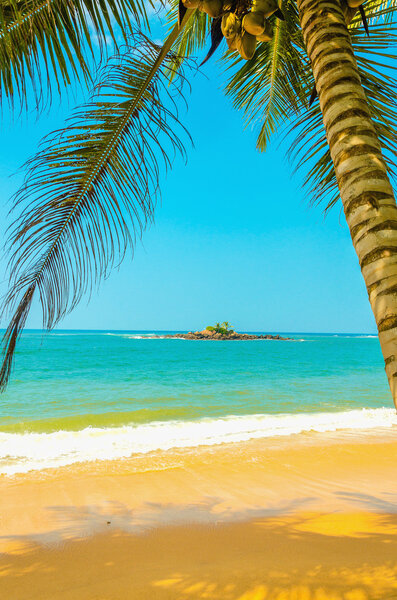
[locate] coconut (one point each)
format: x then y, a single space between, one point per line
213 8
232 42
267 7
231 25
254 23
191 3
267 34
246 45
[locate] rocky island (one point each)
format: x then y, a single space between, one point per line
209 335
220 332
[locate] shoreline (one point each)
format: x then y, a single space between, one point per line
265 517
38 450
205 484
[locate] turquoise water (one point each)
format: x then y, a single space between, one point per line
113 384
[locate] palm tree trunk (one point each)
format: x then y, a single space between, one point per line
364 185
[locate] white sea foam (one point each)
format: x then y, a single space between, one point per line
22 452
137 336
356 336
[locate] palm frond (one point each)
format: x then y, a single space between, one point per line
90 191
216 38
46 40
376 60
273 85
191 38
378 11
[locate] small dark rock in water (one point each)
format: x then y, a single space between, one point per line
212 335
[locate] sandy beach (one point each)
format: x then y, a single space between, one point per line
308 517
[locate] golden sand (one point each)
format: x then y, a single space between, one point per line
311 517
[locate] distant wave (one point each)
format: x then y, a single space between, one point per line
143 336
22 452
137 336
360 337
357 337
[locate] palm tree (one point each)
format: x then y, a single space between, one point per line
88 192
227 326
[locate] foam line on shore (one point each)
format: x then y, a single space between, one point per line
23 452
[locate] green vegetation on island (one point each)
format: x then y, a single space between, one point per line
223 328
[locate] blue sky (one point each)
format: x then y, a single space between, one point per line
234 238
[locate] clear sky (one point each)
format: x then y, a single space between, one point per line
234 237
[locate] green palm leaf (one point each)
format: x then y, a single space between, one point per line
41 40
377 65
273 90
191 38
273 85
90 191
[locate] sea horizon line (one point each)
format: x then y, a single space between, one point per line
149 330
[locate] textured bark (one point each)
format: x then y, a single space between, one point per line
364 185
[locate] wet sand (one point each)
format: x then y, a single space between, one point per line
308 517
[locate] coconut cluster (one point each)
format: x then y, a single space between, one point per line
242 25
245 22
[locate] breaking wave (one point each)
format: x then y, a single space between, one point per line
23 452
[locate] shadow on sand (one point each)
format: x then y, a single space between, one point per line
301 556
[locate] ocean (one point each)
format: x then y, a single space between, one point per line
95 395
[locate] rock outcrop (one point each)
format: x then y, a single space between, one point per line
212 335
